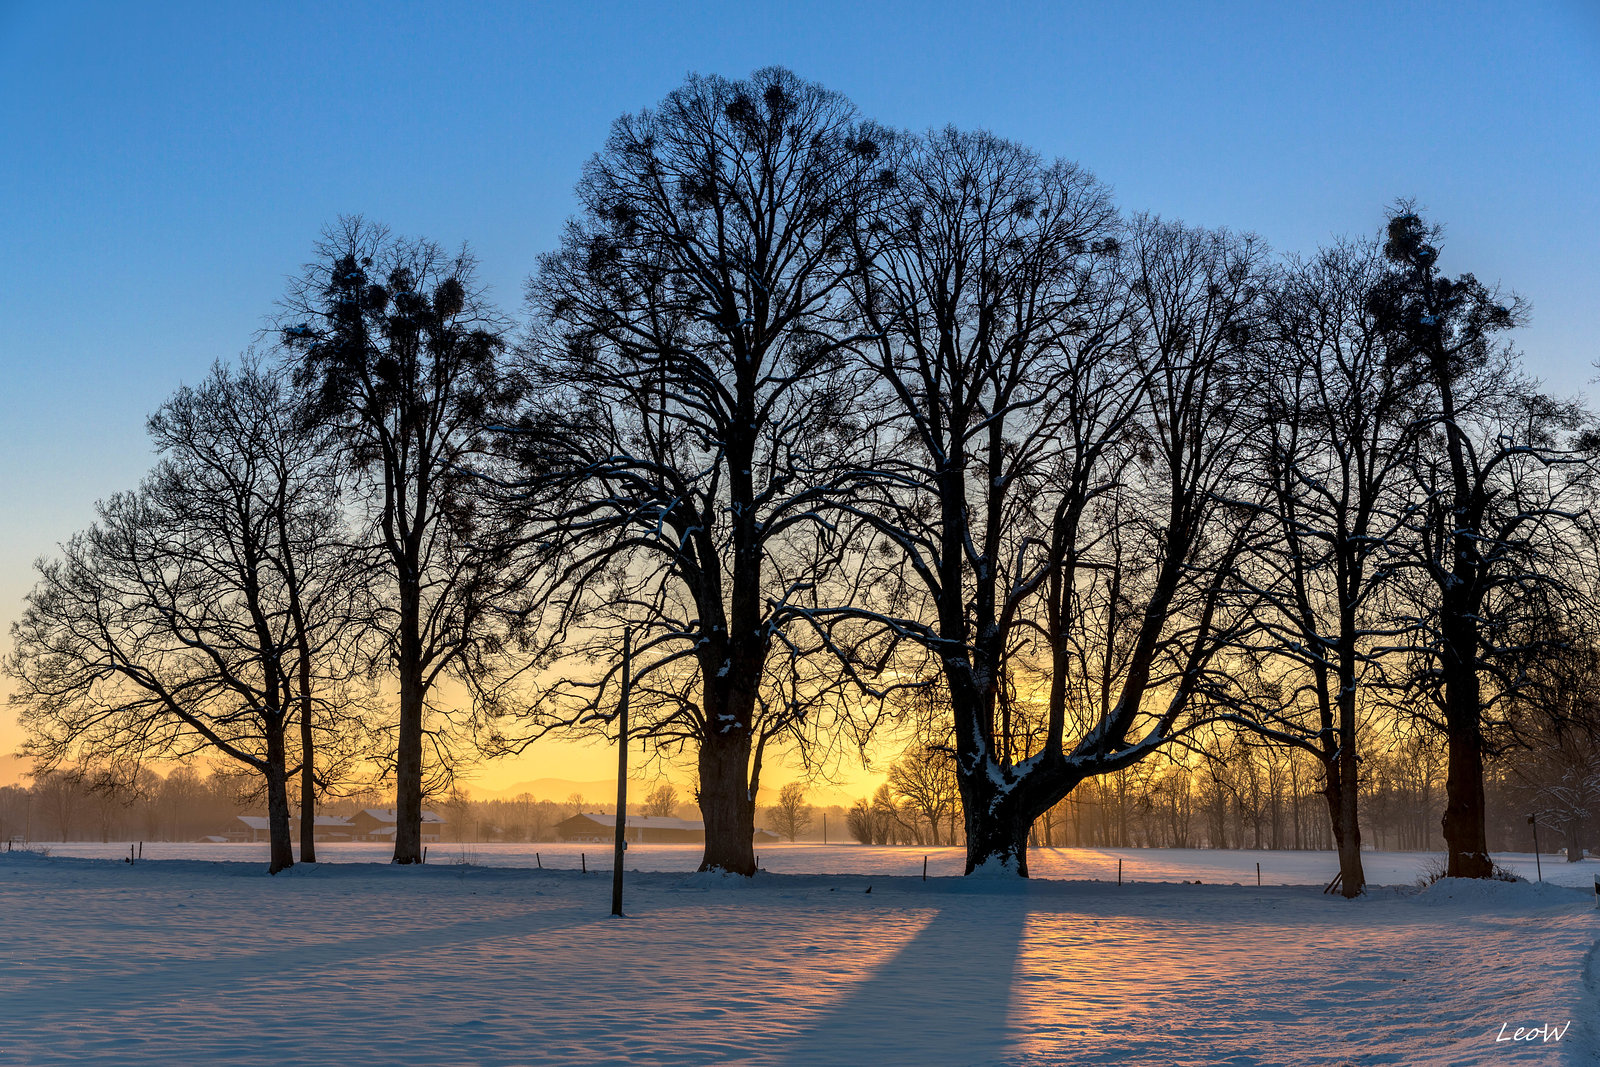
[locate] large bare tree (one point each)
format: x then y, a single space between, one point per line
1057 437
693 402
206 611
1500 495
399 352
1336 425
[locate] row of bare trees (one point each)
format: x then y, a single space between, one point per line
847 427
927 410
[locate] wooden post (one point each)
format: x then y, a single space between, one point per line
1258 873
539 861
424 853
824 828
622 774
924 868
1536 865
1119 871
583 860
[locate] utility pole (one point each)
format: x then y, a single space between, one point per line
622 773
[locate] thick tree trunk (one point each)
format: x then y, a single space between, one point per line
1353 878
997 827
278 804
408 773
408 746
1343 819
1574 840
727 803
1463 822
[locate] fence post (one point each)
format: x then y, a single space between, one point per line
621 843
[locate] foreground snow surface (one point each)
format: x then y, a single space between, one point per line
190 961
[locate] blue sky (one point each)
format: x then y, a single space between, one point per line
162 169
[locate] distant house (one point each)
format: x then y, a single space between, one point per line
371 824
643 829
249 828
378 824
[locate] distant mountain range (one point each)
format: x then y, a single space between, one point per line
555 789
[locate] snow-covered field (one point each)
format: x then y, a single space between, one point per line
1138 864
204 961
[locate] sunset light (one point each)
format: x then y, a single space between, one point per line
922 534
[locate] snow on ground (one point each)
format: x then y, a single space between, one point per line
200 961
1138 864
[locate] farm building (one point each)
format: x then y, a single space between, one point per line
642 829
369 824
377 824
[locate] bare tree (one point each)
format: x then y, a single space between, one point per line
694 400
662 801
181 621
1500 492
1336 425
1060 435
1552 764
398 350
791 816
925 780
861 823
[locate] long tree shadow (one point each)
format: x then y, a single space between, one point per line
960 968
169 978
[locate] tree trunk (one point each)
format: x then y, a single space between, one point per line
1353 878
1574 840
1343 820
278 803
1463 822
997 827
408 747
727 803
308 780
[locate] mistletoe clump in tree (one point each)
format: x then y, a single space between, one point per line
398 352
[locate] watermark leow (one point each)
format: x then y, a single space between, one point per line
1543 1033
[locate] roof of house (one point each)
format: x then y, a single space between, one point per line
389 815
260 822
655 822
